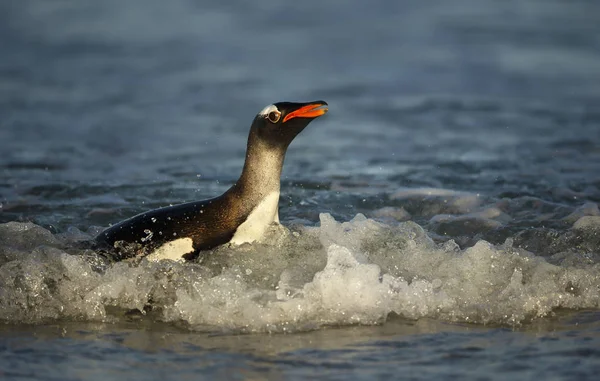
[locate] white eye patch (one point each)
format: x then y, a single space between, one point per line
270 108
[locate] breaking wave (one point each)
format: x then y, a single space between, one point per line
301 278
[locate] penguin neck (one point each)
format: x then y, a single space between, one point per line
255 196
261 175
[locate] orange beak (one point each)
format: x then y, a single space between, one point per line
312 110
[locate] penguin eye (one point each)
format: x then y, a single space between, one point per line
274 116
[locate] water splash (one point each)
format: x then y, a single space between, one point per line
355 272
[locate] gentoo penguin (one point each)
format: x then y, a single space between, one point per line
242 214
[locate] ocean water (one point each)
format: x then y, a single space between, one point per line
441 222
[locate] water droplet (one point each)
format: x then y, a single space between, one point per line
148 236
153 219
174 234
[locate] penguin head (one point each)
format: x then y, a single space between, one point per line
279 123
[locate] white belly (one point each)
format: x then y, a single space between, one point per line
173 250
253 229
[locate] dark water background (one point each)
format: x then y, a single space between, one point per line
477 119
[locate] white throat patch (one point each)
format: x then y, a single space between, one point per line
268 109
253 229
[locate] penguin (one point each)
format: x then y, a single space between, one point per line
240 215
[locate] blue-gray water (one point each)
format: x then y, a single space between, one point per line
443 217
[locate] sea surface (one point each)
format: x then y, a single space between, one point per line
441 222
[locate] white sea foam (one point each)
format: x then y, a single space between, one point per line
356 272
